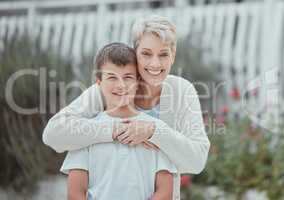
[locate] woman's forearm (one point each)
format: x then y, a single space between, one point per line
66 133
189 154
187 145
74 128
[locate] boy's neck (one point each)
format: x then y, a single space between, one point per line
123 111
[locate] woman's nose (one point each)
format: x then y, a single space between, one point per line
155 62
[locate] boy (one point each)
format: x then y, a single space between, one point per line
109 171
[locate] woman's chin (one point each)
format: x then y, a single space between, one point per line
153 81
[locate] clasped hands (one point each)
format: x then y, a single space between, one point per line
134 132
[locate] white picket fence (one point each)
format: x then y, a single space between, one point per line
246 39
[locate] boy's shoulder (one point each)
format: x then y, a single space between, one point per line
102 116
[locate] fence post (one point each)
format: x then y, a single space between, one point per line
31 19
101 31
270 61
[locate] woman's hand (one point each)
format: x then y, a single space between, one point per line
119 128
150 145
137 132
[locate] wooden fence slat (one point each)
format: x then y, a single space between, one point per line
67 34
89 43
252 61
116 26
208 33
12 25
46 24
253 40
3 27
226 54
125 30
78 37
186 15
57 28
217 36
240 47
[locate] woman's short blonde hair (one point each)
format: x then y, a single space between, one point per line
155 24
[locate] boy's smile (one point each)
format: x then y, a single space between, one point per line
118 85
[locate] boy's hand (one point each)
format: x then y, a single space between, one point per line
137 132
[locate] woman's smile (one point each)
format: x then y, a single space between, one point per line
154 72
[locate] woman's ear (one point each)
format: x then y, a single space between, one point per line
98 81
173 55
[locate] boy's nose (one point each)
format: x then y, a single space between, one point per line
121 85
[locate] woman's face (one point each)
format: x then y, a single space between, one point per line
155 59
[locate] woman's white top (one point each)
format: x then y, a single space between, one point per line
180 132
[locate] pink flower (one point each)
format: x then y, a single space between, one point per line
185 181
224 109
214 149
235 93
220 119
254 92
205 119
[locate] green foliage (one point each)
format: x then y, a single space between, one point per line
24 158
193 192
192 63
245 157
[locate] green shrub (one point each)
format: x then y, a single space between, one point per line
24 158
245 157
193 64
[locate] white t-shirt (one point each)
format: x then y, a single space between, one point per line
117 171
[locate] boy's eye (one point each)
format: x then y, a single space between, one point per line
112 78
146 53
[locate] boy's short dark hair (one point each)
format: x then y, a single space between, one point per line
117 53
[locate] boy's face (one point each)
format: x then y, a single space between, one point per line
118 84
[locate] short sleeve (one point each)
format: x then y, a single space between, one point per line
163 163
77 159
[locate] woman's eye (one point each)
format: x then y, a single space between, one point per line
129 77
164 55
